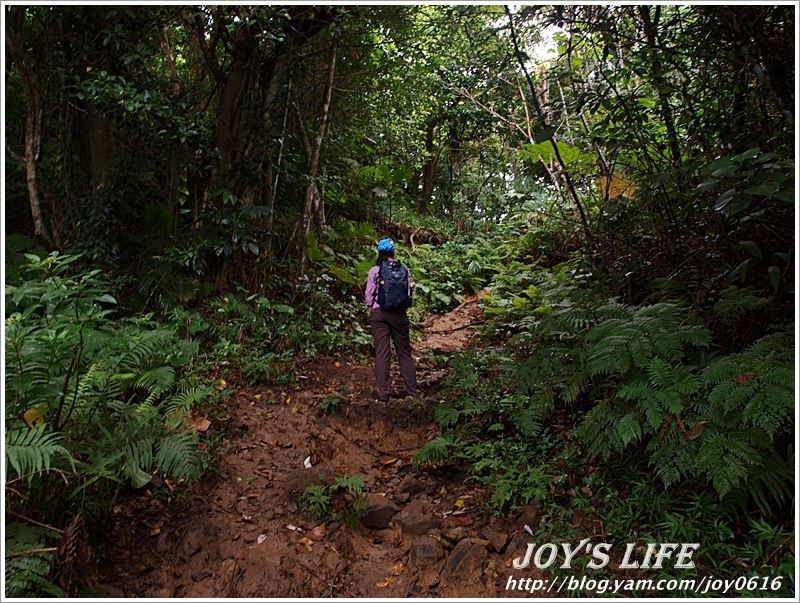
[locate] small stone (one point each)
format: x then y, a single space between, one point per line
411 485
426 551
466 560
378 512
200 576
459 521
496 539
454 534
414 522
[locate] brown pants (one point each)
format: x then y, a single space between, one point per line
394 325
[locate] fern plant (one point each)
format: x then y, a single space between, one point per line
438 449
108 392
641 379
340 500
25 571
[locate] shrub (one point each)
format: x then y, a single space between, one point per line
97 400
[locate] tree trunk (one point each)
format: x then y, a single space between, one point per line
311 202
428 172
33 134
273 183
233 91
33 119
660 84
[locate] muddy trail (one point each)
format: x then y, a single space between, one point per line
241 532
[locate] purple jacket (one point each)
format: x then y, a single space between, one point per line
371 291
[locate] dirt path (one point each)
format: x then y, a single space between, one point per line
241 533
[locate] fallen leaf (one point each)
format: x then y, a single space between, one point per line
744 377
293 528
33 417
261 538
459 504
307 542
385 582
199 424
388 461
307 462
396 568
695 431
337 364
222 384
295 410
318 533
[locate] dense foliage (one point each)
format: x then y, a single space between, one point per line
193 195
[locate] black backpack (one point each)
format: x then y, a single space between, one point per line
394 290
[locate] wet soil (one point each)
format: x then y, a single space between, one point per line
241 532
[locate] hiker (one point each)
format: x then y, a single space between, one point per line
388 294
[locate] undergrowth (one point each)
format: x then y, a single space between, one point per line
591 402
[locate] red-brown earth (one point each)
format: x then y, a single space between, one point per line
241 531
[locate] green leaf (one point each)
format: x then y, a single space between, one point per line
752 248
746 155
774 276
283 309
764 189
726 168
724 199
708 184
343 275
106 298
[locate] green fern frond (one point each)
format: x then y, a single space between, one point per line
177 455
735 303
725 460
138 457
527 421
445 416
31 451
672 459
156 381
149 345
182 401
438 449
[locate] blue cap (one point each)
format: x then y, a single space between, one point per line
386 245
